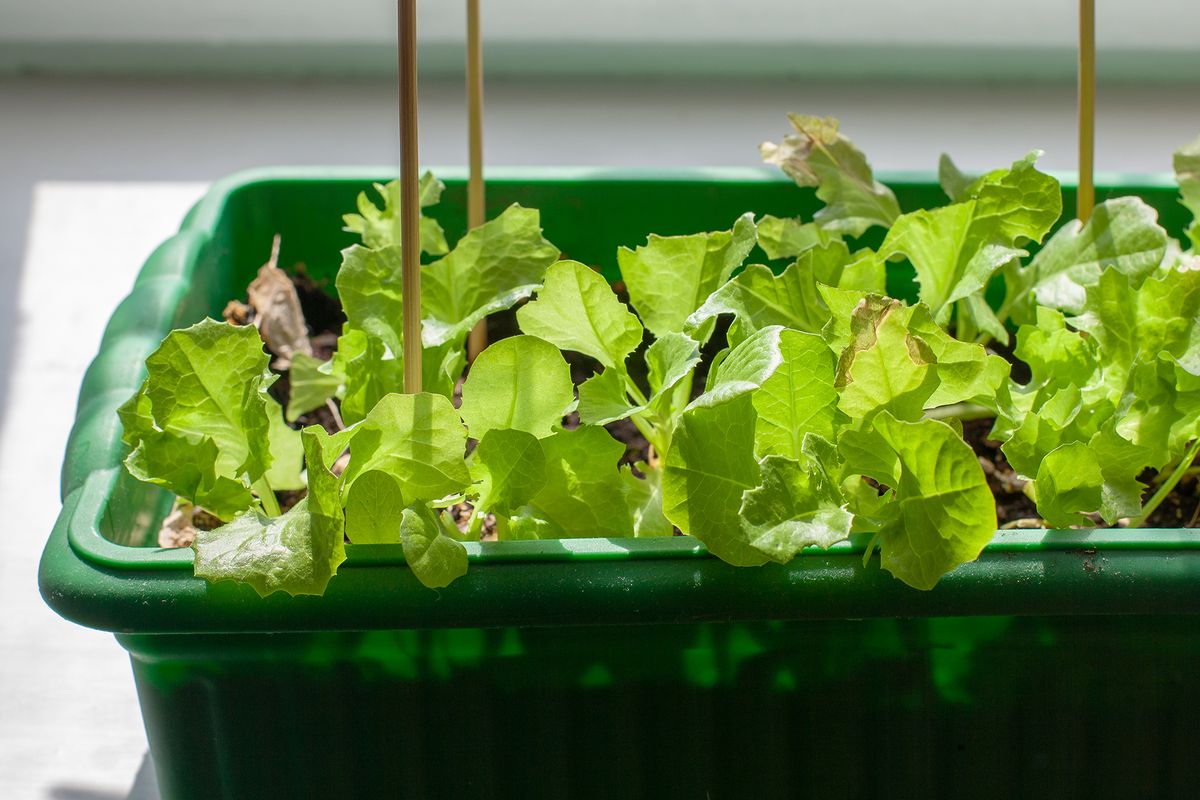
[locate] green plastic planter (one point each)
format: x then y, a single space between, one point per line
1058 663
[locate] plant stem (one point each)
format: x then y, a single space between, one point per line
266 496
964 326
1168 486
960 411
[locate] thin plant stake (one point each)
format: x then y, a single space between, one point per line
475 212
1085 197
410 208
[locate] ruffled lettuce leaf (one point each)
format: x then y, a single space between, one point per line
379 227
669 277
939 513
1187 172
203 425
1123 234
957 249
817 154
298 552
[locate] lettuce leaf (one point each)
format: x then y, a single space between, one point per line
521 383
298 552
669 277
817 154
378 227
201 423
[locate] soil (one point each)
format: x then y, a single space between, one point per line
1014 509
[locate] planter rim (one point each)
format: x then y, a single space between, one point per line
78 559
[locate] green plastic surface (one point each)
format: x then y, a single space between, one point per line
613 667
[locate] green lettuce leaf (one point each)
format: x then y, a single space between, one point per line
942 513
818 155
759 298
785 237
311 382
490 269
577 310
1187 172
795 506
797 399
374 504
520 383
669 277
378 227
671 361
297 552
956 250
706 471
885 366
584 494
512 466
1123 234
200 425
433 554
953 181
604 398
418 440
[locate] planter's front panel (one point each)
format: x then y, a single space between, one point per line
977 706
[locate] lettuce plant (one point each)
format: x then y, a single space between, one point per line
829 411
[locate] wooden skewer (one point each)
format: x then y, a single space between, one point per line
1085 198
410 208
478 339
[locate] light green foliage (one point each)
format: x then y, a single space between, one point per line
373 506
1187 172
957 249
954 182
671 360
311 382
708 468
604 398
200 425
521 383
584 493
669 277
817 154
1123 234
1122 384
798 398
1068 479
758 298
783 237
433 553
379 227
490 269
942 512
577 310
745 367
297 552
287 453
512 469
795 506
418 440
885 366
369 284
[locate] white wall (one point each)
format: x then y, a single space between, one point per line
940 36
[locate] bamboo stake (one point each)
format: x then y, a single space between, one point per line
475 212
410 208
1085 197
